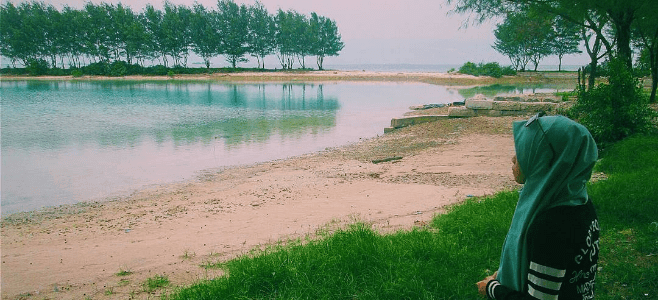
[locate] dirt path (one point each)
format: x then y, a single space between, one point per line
76 252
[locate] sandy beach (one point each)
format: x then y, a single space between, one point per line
76 252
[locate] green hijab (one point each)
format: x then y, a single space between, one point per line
556 155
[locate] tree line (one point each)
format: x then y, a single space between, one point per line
37 33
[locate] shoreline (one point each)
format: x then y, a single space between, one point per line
437 78
77 251
74 252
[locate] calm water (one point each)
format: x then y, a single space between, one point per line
67 142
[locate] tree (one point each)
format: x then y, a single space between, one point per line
285 38
567 39
152 19
37 34
176 32
73 37
524 37
645 34
304 38
97 38
621 14
13 43
129 36
234 22
261 29
328 42
594 50
204 31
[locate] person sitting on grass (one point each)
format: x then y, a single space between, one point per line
552 247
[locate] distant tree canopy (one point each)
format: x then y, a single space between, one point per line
609 26
34 33
529 36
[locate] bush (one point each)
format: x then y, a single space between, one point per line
158 70
492 69
76 73
98 69
615 110
470 69
37 67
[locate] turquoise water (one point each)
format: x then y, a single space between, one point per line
68 142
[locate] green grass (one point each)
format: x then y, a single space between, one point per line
627 204
444 260
155 282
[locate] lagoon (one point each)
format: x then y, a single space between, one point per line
65 142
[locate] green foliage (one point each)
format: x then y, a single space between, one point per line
124 273
627 206
567 38
492 69
36 67
76 73
461 247
525 36
615 110
438 263
155 282
105 33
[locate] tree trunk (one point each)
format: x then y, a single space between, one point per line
593 65
320 62
623 21
654 85
653 60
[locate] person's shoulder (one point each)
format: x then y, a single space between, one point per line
563 219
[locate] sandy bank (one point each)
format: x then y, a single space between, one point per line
329 75
75 252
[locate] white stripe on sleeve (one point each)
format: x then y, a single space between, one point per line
549 284
559 273
540 295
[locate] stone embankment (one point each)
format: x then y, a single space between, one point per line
479 105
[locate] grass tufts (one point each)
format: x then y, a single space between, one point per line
444 260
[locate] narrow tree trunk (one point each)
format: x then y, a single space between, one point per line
320 62
653 60
593 65
623 21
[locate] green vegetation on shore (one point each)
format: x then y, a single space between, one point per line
444 259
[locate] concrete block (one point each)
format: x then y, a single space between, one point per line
479 97
460 112
479 104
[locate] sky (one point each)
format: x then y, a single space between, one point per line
381 31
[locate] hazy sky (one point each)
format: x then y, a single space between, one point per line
382 31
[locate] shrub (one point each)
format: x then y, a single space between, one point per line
98 68
158 70
76 73
36 67
492 69
615 110
469 68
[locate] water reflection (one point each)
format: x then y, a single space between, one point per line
52 115
500 89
